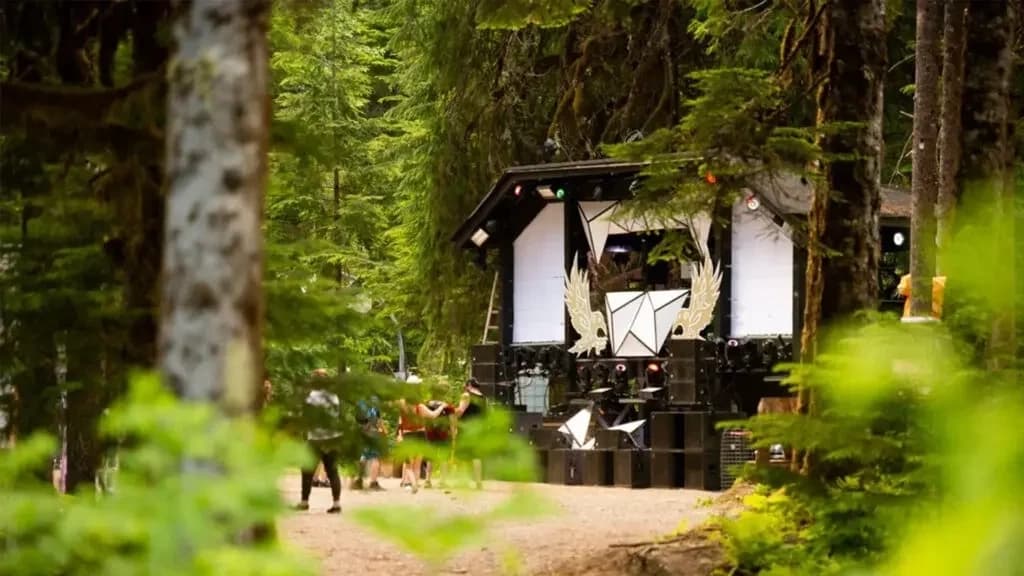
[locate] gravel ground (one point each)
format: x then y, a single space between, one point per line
587 521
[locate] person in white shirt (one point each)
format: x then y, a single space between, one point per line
327 406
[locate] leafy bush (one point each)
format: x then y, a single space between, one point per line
193 492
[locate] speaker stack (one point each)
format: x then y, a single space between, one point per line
691 372
488 369
685 449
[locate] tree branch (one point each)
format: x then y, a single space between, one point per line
90 106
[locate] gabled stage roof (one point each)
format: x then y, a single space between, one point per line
794 199
554 171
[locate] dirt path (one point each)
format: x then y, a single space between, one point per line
588 519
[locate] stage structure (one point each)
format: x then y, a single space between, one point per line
619 368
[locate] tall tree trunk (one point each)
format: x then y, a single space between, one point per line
925 158
953 40
843 246
985 175
85 401
845 210
145 244
218 117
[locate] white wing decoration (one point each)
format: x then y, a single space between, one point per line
706 283
590 324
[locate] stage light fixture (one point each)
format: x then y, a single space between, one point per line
518 191
655 375
491 227
898 239
479 237
621 378
546 192
710 178
753 203
560 194
598 192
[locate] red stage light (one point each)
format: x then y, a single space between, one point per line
654 367
710 178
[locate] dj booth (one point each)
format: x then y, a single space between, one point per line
619 367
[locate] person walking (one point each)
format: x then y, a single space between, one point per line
373 427
412 426
472 405
324 408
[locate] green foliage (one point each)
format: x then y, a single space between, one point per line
519 13
186 502
325 211
914 463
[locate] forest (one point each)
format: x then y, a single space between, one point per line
202 197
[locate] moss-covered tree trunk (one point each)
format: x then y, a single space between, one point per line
843 242
986 175
925 182
218 116
953 39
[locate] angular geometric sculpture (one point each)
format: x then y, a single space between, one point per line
599 222
576 429
640 322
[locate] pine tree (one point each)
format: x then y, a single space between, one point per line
986 178
843 245
925 158
953 39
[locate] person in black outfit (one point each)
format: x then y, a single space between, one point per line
472 405
320 443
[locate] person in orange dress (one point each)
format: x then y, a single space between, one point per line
938 290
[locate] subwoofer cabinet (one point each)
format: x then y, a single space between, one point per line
613 440
667 468
702 470
565 467
700 429
547 438
598 467
633 468
542 465
667 430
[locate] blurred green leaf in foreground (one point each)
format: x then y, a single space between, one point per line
160 521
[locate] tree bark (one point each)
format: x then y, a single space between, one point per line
218 118
985 176
843 241
845 210
85 401
925 159
953 39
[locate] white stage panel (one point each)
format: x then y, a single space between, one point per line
762 276
538 305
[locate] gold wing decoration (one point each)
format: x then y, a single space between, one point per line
590 324
705 285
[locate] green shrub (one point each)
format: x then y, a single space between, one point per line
194 490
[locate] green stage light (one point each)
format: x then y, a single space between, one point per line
560 194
